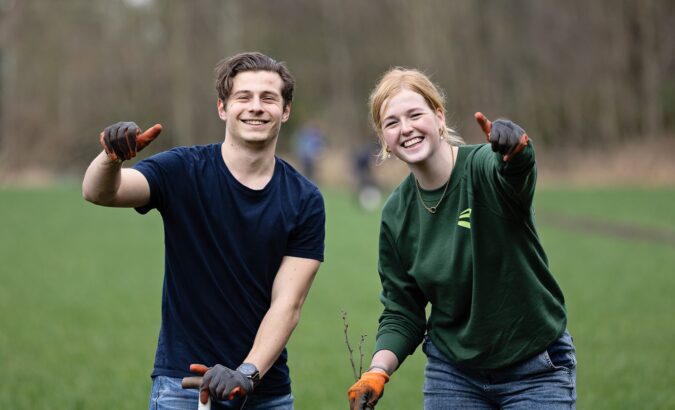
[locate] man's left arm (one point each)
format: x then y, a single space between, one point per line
290 288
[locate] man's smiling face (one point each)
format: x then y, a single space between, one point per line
255 109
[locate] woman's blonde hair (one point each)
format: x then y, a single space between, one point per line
397 79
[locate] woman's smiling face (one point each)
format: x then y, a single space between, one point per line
410 128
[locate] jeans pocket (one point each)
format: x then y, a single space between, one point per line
565 361
561 353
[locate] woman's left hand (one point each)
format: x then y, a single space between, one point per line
506 137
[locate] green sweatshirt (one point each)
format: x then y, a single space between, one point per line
477 260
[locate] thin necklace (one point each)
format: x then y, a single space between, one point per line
433 209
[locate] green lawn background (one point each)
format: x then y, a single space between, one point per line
80 291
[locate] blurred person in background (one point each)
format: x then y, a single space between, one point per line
309 143
368 193
244 238
458 233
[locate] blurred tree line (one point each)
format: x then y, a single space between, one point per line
573 73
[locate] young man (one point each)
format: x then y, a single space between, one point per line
244 237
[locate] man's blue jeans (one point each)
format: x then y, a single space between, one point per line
167 394
545 381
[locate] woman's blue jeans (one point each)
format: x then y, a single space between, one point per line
545 381
167 394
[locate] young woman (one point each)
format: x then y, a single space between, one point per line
459 233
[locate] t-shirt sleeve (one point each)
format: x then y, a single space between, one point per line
158 169
307 239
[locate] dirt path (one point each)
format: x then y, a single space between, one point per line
607 228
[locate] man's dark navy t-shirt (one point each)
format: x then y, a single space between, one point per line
224 243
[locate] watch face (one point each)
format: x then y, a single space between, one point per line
251 372
247 369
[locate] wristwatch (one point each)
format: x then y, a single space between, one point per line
251 372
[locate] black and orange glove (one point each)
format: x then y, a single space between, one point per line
123 140
506 137
365 393
221 383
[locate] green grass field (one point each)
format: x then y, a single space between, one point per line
80 290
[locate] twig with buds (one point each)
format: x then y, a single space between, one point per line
350 351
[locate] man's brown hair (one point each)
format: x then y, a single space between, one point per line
228 68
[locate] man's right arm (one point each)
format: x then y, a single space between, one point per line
106 182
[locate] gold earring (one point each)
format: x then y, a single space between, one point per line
388 154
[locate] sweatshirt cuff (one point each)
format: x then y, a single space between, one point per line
398 344
521 162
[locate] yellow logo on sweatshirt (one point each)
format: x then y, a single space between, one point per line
465 219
